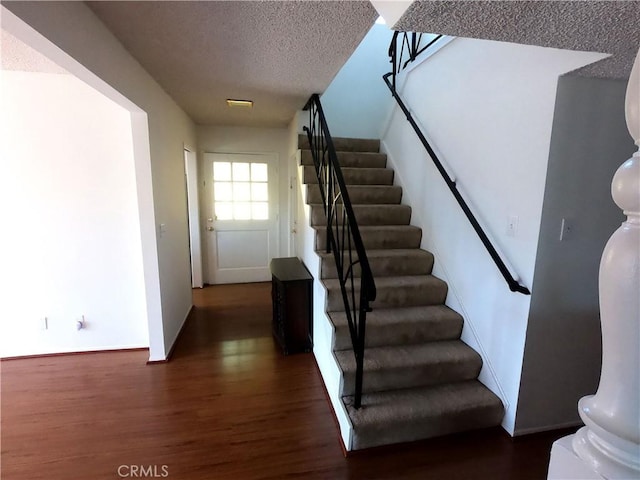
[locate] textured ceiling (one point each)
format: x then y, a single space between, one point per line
596 26
16 55
276 53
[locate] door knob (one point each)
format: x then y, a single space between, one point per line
210 229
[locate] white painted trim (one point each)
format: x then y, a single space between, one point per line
491 381
193 206
294 161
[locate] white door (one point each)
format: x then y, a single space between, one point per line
242 226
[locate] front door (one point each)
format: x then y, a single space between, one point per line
242 226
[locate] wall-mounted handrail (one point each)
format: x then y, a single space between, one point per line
343 235
411 44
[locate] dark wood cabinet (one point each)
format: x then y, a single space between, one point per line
292 297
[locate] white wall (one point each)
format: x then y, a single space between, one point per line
68 198
80 38
488 109
356 102
222 139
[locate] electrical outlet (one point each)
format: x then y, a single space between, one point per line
512 225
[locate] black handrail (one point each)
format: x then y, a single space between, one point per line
413 50
343 235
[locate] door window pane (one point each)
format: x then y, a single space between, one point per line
222 171
223 191
241 172
241 191
259 172
224 210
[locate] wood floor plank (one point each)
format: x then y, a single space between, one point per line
228 405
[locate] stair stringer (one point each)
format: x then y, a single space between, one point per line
323 329
488 375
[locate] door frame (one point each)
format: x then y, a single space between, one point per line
207 212
193 215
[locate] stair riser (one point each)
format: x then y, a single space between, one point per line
378 215
378 239
351 159
420 380
356 176
384 267
408 431
361 194
346 144
392 379
394 297
404 334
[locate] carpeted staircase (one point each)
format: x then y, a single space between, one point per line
420 379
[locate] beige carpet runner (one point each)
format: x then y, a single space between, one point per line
420 379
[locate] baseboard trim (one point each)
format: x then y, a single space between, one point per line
547 428
175 340
156 362
68 354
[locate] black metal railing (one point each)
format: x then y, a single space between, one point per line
412 45
409 47
343 238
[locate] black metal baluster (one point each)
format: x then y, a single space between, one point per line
342 233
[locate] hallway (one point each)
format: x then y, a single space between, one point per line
227 406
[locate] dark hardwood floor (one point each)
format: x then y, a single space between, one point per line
227 406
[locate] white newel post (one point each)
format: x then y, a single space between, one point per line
608 446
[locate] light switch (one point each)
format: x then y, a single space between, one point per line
566 230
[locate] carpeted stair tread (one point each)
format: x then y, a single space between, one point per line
362 194
351 159
420 379
401 291
424 412
367 214
355 176
385 262
345 144
380 236
401 326
405 366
